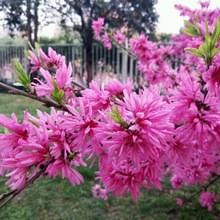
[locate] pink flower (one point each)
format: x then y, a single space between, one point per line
55 60
116 88
41 60
179 201
62 78
44 89
204 4
147 128
63 166
97 27
98 192
212 77
207 199
184 97
35 61
122 178
18 133
176 182
95 98
120 38
106 41
81 128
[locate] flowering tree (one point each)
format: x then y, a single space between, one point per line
171 127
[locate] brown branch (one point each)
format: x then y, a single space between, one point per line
133 56
47 102
16 192
78 85
5 195
194 194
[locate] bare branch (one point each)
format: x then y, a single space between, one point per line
195 194
47 102
16 192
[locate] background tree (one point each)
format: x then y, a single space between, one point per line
139 16
22 15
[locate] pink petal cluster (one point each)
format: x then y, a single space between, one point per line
179 201
207 199
41 60
36 143
97 27
120 38
171 127
62 78
98 192
106 41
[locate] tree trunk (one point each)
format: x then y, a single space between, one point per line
29 29
89 63
87 43
36 23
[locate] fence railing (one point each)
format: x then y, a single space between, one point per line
106 64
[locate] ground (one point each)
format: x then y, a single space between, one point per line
49 199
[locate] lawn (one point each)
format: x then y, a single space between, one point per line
49 199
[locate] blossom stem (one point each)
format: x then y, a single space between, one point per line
204 188
47 102
133 56
17 191
5 195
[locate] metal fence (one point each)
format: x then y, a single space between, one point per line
106 64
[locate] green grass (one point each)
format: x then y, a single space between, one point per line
49 199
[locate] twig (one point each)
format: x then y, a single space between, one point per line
78 85
5 195
133 56
194 194
16 192
47 102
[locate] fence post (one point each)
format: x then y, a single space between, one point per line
125 64
73 61
26 59
131 68
118 63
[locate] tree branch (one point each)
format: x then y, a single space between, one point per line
16 192
47 102
194 194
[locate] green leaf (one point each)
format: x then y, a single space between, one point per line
192 33
187 23
55 85
33 122
207 36
116 116
194 52
197 18
203 48
3 130
57 94
215 51
27 53
23 78
37 46
29 43
215 34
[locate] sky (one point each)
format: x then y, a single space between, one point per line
170 20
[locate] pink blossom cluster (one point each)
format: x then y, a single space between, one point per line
207 199
39 59
173 126
118 37
97 27
34 144
153 61
98 192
